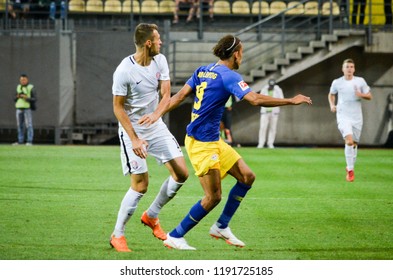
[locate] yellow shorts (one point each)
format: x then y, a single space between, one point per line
210 155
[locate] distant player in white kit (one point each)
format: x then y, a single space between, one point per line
350 90
137 82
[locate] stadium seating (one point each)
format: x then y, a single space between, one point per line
221 7
94 6
277 6
75 6
326 9
112 6
241 7
260 7
149 7
2 5
298 8
167 6
136 8
311 8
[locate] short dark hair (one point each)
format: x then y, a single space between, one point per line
144 32
271 82
226 47
23 75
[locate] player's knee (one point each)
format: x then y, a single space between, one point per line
349 142
211 201
248 178
181 177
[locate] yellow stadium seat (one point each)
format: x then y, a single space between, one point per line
136 8
298 8
264 8
277 6
2 5
241 7
94 6
112 6
326 9
221 7
149 7
167 6
76 6
311 8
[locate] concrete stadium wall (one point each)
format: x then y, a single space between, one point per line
38 57
73 77
316 125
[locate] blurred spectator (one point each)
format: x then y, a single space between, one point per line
177 8
226 121
269 116
21 7
194 9
210 6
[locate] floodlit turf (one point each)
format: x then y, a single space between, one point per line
61 202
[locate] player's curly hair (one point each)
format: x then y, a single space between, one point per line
226 47
144 32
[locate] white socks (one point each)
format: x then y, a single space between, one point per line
167 192
350 156
355 154
131 199
127 208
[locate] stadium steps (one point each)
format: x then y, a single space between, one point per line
282 68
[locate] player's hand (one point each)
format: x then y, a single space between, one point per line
139 148
333 108
300 98
148 119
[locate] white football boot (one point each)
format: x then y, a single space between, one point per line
177 243
226 234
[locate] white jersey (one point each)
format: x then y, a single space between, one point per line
349 105
140 85
277 93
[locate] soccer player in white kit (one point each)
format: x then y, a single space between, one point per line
350 90
137 82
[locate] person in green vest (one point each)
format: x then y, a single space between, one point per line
24 103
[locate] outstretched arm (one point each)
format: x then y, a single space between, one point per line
179 97
267 101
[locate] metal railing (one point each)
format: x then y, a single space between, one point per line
270 37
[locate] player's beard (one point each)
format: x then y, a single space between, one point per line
153 52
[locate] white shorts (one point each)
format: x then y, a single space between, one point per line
346 127
162 146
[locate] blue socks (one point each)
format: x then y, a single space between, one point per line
236 195
196 214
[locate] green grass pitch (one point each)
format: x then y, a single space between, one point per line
61 203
